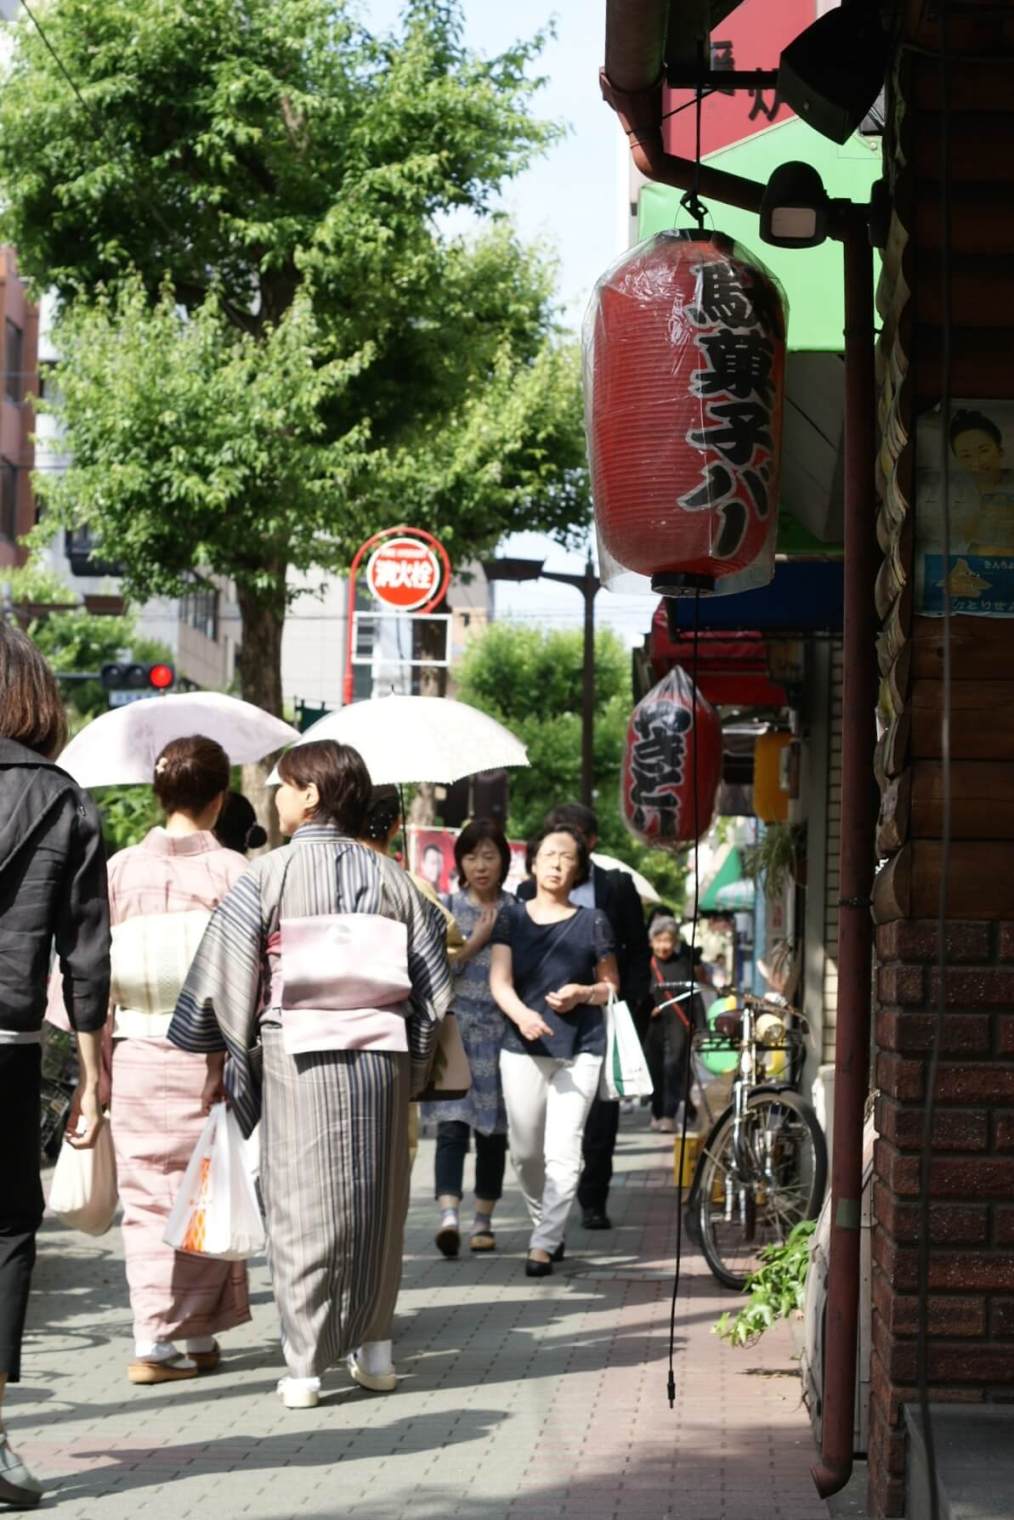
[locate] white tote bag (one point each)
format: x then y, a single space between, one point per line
83 1190
216 1212
624 1071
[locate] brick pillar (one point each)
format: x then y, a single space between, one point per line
971 1310
972 1229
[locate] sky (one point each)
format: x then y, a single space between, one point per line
571 199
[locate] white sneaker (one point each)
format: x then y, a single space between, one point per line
18 1487
299 1393
371 1367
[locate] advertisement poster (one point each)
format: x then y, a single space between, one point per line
431 856
980 571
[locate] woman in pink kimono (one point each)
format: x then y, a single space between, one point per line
162 893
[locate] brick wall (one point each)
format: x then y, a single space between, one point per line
971 1355
971 1308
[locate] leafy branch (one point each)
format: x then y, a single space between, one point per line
776 1291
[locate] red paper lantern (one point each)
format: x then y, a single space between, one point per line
685 369
674 740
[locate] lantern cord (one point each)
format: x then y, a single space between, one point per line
677 110
688 1065
691 202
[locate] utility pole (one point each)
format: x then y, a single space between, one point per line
589 585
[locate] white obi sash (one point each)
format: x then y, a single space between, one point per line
150 958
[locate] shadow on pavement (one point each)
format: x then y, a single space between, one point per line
139 1467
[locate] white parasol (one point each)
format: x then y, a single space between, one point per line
412 739
120 747
645 891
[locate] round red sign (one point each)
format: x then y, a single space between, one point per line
405 573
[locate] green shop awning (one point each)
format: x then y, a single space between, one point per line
811 277
730 870
738 896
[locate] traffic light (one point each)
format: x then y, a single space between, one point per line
122 676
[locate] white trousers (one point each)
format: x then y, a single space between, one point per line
547 1104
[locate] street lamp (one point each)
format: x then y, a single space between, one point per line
589 585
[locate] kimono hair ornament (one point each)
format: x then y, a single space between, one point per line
161 766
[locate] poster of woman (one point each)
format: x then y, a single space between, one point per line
979 570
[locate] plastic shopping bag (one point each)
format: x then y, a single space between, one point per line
624 1071
216 1212
83 1191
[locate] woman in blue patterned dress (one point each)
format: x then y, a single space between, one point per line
483 860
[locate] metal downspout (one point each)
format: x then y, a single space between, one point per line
859 813
632 84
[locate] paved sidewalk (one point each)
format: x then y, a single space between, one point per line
521 1399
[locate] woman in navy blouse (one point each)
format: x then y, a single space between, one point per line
552 968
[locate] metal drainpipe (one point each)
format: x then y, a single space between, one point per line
635 42
631 83
858 808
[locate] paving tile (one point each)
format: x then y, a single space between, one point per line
520 1400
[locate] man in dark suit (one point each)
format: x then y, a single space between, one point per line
614 892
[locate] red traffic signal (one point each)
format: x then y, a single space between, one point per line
161 676
122 676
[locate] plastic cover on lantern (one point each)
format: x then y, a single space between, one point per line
674 740
684 365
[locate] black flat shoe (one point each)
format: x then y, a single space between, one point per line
596 1219
560 1251
535 1268
448 1241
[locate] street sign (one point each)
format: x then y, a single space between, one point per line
405 573
408 571
122 698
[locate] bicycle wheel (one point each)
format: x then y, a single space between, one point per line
749 1194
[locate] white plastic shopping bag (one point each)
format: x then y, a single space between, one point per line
624 1071
83 1190
216 1212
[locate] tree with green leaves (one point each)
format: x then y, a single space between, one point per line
272 344
531 681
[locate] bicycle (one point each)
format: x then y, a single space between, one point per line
763 1165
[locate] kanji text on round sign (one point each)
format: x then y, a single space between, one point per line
405 573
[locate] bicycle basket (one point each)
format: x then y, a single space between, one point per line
718 1053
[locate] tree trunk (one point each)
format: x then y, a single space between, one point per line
259 667
428 642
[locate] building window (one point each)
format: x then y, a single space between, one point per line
8 500
14 386
199 609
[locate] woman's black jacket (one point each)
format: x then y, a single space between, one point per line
52 889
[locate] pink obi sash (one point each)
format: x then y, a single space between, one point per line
342 982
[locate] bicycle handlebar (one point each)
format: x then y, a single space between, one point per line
767 1005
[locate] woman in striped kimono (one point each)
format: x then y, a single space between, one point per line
328 1034
161 896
